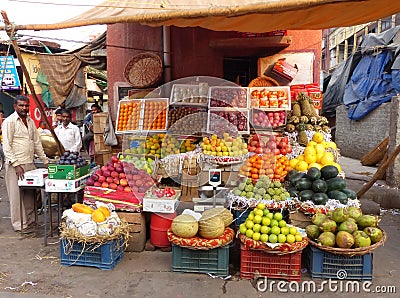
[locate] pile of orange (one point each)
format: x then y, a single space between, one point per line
155 115
275 167
129 115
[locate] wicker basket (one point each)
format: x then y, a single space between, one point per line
263 81
351 251
144 70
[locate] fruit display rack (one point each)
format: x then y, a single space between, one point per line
270 98
230 120
187 120
189 95
228 97
129 116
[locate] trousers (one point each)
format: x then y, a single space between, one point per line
15 194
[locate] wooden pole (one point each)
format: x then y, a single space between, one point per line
379 173
10 32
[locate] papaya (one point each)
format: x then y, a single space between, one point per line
81 208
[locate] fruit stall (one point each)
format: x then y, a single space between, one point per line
252 157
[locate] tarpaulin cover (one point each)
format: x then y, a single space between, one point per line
367 79
371 83
232 15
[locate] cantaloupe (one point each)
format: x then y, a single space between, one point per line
185 226
224 213
211 226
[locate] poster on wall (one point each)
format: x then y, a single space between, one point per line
304 62
8 74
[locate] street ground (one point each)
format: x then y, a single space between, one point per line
29 269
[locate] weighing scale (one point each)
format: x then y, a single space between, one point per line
214 179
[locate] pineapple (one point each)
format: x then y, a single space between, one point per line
304 119
309 126
294 119
305 105
302 137
313 120
326 129
296 109
290 128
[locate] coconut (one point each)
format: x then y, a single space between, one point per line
344 239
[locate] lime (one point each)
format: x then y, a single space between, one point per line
265 221
273 238
257 219
256 228
281 238
249 224
265 211
270 215
278 216
242 228
249 233
256 236
282 223
298 237
275 230
285 230
293 230
258 212
264 238
261 206
274 223
290 238
251 216
264 230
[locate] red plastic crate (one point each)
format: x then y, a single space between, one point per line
270 265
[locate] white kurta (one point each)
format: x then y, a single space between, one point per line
70 137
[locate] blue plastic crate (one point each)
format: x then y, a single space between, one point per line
105 256
215 261
323 264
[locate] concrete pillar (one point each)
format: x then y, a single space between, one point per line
393 171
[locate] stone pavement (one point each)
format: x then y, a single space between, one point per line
29 269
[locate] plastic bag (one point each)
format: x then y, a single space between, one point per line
110 138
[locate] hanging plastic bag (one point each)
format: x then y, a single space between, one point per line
110 138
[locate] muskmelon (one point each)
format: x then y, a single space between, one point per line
211 227
185 226
224 213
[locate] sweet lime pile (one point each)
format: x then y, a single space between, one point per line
266 226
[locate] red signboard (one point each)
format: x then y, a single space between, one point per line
35 113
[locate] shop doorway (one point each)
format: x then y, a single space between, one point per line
240 70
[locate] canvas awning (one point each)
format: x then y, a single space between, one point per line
232 15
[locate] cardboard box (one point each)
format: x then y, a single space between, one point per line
34 178
99 122
67 172
54 185
282 72
99 146
137 230
162 205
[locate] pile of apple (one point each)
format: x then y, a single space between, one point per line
269 143
121 176
266 119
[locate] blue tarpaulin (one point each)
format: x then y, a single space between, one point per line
368 78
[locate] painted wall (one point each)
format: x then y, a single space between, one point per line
123 42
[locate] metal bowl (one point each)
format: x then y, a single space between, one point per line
207 191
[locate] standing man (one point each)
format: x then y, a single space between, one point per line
21 141
88 123
58 119
68 133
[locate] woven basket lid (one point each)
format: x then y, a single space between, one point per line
144 70
263 81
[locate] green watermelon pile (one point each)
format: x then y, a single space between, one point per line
319 186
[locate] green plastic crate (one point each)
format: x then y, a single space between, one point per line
214 261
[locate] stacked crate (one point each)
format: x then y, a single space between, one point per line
102 152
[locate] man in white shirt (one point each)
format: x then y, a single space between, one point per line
68 133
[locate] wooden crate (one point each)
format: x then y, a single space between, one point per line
137 230
102 159
99 146
99 122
